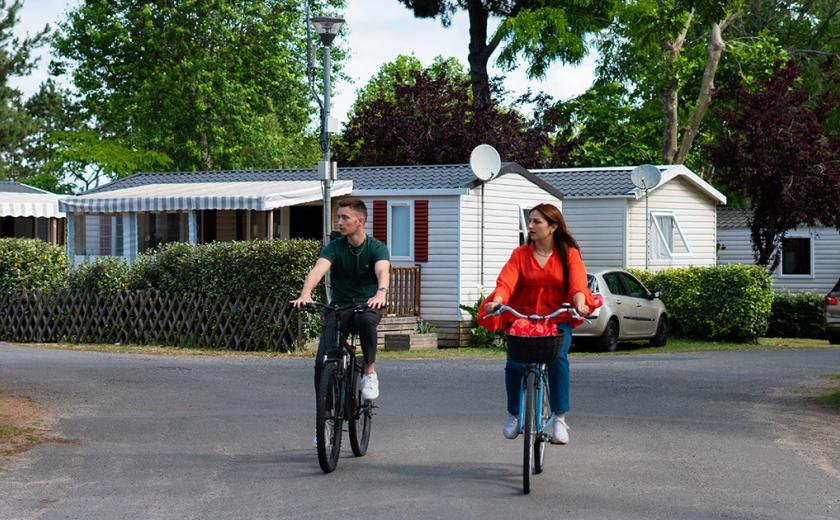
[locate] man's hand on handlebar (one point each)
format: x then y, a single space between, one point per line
377 301
301 301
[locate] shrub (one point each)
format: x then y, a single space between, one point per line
728 302
479 336
108 275
31 264
797 315
275 268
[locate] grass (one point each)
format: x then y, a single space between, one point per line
675 346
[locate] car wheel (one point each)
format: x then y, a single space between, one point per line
661 337
834 337
608 342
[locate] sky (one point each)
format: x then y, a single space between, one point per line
378 31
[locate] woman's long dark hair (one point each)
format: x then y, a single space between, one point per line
563 239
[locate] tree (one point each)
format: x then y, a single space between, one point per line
427 117
15 60
660 48
776 153
540 31
211 84
605 126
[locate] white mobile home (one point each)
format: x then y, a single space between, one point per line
606 214
810 259
438 221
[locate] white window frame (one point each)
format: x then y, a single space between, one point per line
677 227
781 274
410 205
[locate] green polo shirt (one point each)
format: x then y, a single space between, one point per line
352 275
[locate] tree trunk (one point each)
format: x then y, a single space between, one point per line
480 53
205 150
704 99
669 96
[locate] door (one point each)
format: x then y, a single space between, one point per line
643 310
621 304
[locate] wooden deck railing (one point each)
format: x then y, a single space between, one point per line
404 294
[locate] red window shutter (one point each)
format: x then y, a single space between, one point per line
421 230
380 220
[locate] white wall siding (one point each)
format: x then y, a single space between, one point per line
736 249
598 225
696 213
503 198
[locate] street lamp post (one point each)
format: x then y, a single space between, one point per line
327 28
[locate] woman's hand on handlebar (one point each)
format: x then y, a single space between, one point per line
492 306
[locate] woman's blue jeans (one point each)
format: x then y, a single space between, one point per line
558 377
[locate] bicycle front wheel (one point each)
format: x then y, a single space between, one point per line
528 434
328 421
360 423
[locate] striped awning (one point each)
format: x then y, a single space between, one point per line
16 204
258 196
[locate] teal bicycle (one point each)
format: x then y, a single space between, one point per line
535 419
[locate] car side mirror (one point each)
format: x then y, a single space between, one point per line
653 295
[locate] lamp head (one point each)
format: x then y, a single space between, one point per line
327 28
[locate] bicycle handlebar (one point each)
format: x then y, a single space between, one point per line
316 306
566 308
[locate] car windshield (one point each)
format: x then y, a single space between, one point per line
836 287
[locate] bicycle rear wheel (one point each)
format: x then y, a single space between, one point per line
541 439
328 421
360 423
528 434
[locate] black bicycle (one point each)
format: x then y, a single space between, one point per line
339 396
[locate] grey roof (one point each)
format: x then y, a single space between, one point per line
16 187
591 182
733 218
427 177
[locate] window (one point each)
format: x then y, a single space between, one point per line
796 256
667 238
155 229
592 283
634 287
399 230
614 284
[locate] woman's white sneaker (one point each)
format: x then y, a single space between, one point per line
511 427
370 386
559 430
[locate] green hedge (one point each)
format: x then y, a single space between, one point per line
729 302
797 315
30 264
107 275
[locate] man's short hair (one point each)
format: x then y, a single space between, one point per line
354 203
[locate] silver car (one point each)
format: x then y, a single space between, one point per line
832 315
629 311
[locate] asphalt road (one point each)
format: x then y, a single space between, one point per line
708 435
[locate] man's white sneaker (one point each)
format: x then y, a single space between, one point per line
370 386
327 435
511 427
559 430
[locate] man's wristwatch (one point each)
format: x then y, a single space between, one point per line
382 289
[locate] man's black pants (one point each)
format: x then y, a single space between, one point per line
364 323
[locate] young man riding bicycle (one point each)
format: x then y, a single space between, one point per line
359 274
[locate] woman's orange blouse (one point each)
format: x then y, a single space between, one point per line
532 289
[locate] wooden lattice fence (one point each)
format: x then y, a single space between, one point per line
151 317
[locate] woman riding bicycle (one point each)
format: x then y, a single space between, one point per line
539 278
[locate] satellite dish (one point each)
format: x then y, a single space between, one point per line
645 176
485 162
